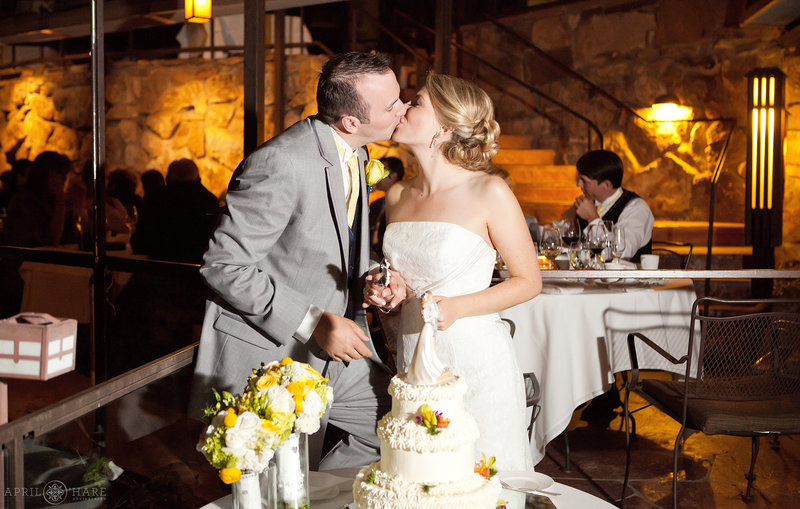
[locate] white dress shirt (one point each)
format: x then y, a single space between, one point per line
635 219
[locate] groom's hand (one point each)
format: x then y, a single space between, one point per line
341 338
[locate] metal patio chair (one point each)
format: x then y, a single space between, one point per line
745 381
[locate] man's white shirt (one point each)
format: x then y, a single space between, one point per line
636 219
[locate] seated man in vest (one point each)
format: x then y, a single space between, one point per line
600 179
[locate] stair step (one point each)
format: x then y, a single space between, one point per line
538 193
515 141
524 156
545 174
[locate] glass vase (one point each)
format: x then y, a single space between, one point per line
291 473
246 492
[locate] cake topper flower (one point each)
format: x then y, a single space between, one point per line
486 468
434 421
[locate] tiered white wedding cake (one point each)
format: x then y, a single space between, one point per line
427 440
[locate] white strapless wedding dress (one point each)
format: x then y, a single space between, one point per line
450 260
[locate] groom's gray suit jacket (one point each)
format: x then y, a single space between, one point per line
281 246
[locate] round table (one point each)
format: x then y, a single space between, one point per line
567 498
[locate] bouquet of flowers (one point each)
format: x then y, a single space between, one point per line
280 398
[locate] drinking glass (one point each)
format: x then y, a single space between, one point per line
550 244
617 242
570 231
597 239
579 255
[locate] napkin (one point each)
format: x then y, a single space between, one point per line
561 289
323 486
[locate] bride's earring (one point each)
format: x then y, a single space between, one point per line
433 140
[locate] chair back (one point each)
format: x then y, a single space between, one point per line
669 255
749 349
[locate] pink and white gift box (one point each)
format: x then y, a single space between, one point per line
37 346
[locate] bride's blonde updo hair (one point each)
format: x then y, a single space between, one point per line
468 112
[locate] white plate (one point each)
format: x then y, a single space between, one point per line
520 480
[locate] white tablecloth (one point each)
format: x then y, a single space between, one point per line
567 498
575 342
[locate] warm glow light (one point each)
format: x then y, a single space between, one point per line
754 160
670 112
770 155
197 11
772 91
762 140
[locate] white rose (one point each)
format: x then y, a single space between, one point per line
312 404
280 400
306 423
243 435
299 371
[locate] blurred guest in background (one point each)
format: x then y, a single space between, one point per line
152 180
176 220
36 212
35 217
123 185
13 179
377 214
158 313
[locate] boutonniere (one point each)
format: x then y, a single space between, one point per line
375 172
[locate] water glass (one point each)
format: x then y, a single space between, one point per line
579 255
550 244
617 242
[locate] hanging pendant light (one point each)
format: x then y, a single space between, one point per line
197 11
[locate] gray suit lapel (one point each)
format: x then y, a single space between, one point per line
333 178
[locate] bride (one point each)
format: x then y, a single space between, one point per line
445 227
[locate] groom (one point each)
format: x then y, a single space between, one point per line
287 260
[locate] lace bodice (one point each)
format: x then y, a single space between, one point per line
442 257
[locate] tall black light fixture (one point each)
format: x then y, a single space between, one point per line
763 220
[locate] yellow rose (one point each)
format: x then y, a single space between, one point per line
230 475
265 382
286 360
375 172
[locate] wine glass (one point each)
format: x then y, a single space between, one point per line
579 255
597 238
550 244
570 230
617 242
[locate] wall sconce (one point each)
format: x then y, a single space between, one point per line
197 11
667 108
765 150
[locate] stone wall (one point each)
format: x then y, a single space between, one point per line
678 47
156 111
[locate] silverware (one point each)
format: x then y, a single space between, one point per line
523 490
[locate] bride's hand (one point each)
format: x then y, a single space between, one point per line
375 294
397 287
446 314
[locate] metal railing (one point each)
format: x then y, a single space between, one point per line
591 126
49 418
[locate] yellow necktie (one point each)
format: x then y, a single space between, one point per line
355 184
352 165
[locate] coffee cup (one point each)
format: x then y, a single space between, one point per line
649 262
